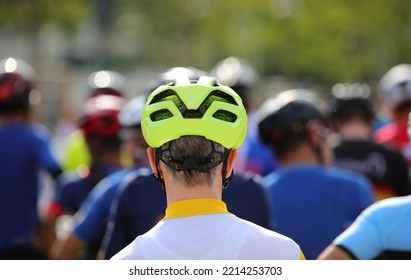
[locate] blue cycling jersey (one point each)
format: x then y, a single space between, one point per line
93 214
91 219
313 204
141 203
24 153
382 231
73 189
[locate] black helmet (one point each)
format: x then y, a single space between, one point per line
292 112
15 84
351 100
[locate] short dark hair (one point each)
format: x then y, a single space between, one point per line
198 148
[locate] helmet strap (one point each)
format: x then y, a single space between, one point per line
159 178
226 181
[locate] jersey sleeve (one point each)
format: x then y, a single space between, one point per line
362 239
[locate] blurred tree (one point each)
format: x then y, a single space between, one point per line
27 16
313 40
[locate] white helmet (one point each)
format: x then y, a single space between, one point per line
235 72
107 82
396 85
130 114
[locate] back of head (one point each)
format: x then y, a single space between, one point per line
15 85
288 118
193 124
351 101
238 74
106 82
395 86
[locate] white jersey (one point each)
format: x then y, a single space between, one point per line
201 229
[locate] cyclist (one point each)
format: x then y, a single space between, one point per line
25 153
133 214
312 202
90 221
238 74
381 232
100 127
102 82
352 118
395 90
193 131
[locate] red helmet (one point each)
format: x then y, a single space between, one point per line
100 116
15 84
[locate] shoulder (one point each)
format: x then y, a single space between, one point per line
245 180
345 176
272 244
107 185
137 179
392 205
67 177
385 133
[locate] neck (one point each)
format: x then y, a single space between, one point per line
301 155
355 129
111 158
13 118
178 191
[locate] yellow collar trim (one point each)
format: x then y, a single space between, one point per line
194 207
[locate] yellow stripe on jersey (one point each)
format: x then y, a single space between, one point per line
302 257
194 207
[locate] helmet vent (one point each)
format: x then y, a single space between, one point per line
225 116
161 115
219 96
170 95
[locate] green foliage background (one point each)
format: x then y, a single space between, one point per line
313 40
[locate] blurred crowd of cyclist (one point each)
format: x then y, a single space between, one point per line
317 169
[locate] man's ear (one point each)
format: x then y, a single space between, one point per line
314 139
232 157
151 153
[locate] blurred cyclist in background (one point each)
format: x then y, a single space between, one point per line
352 119
382 231
238 74
311 202
25 152
395 90
90 221
104 82
100 126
